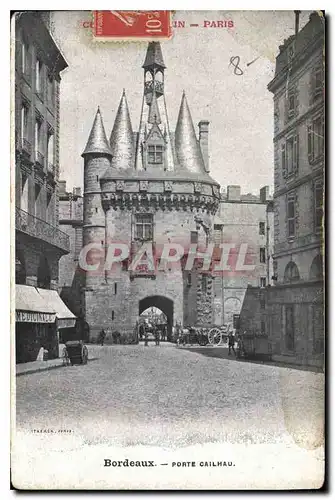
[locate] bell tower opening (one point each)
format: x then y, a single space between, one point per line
153 72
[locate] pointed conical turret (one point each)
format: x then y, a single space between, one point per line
187 147
122 137
154 56
97 141
154 116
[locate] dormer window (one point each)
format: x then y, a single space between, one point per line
154 145
155 154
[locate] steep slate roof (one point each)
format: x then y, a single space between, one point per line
187 147
122 137
154 55
97 141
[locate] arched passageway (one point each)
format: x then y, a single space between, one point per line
162 303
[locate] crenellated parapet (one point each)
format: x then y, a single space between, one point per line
154 195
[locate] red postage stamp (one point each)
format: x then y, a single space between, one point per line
132 24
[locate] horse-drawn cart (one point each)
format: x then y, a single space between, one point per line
215 336
75 352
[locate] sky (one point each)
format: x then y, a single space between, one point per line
239 107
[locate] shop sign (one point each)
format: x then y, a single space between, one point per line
34 317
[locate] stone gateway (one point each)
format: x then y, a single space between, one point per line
153 186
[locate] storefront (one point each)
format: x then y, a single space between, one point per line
65 319
39 315
35 325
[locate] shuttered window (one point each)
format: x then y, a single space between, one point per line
291 215
290 156
315 139
318 205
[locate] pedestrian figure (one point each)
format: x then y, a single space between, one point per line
102 337
116 337
231 343
156 334
240 346
141 331
145 335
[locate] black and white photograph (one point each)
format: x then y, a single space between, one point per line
168 327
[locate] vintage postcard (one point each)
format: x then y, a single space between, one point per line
168 178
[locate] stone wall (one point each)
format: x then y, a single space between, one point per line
119 311
308 312
112 295
253 311
240 220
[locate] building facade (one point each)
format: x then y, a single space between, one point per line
295 303
39 243
246 223
150 189
71 277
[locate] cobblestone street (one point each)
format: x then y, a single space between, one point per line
167 396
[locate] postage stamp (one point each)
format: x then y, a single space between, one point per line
131 24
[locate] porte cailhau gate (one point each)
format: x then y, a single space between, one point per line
147 186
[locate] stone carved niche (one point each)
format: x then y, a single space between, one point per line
197 187
119 185
144 185
168 186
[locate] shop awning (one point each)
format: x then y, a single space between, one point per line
65 318
30 307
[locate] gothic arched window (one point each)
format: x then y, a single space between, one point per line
148 83
315 272
159 76
291 272
148 76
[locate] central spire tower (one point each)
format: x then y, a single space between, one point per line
147 189
155 145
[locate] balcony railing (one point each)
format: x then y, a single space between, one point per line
26 146
38 228
159 86
39 158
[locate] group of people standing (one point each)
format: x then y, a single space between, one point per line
116 336
158 333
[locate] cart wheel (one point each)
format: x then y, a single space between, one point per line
214 336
